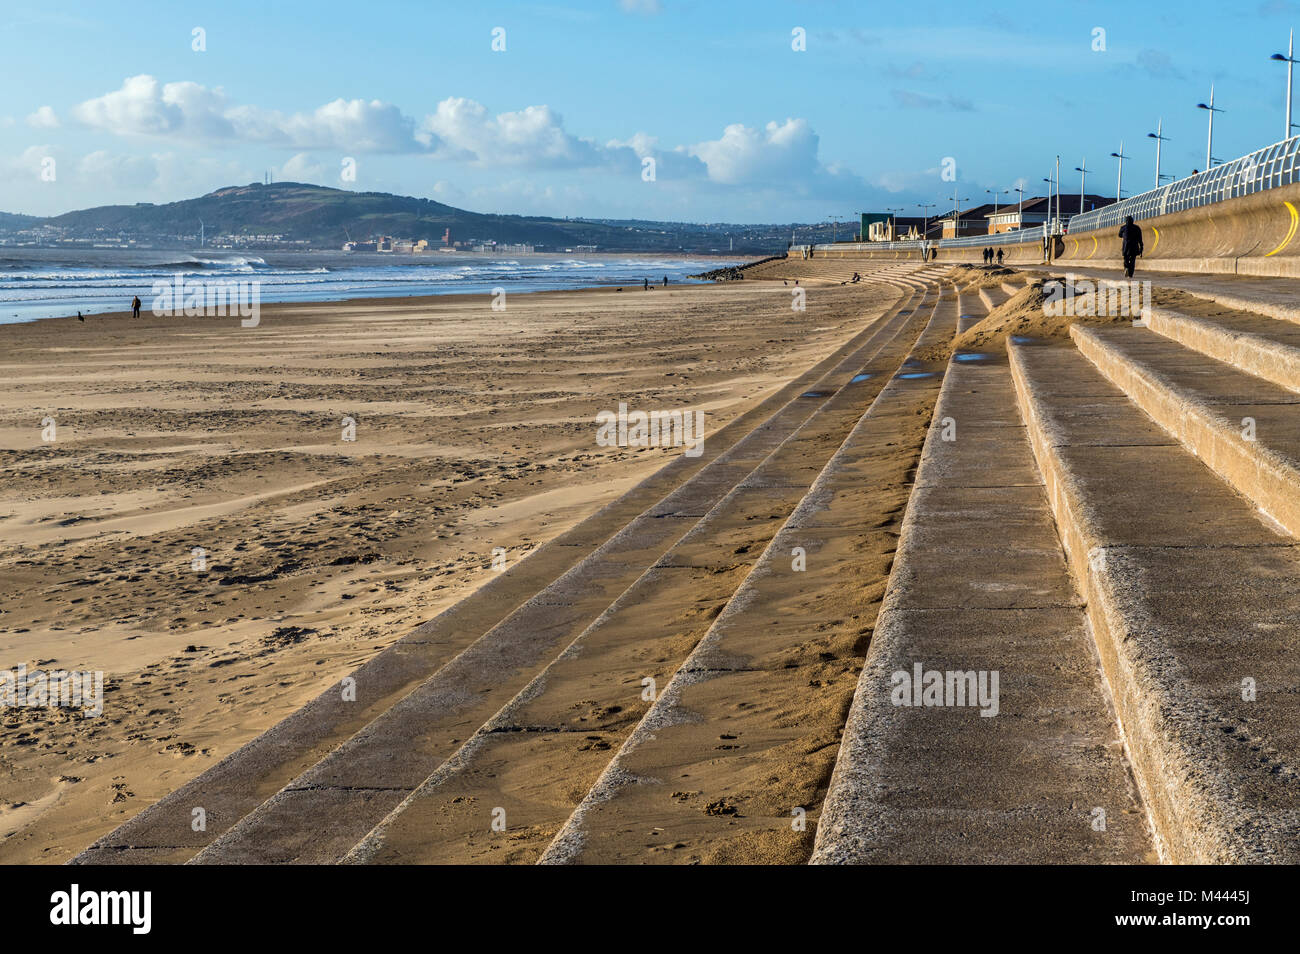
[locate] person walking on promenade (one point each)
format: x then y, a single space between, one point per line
1131 238
135 307
999 256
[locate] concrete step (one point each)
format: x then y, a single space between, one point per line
1193 599
1246 429
772 676
1274 297
1268 348
980 584
163 832
992 297
321 815
533 748
971 310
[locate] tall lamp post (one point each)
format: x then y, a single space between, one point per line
1083 182
925 208
893 226
1209 139
1289 60
1021 209
1119 177
956 213
1159 138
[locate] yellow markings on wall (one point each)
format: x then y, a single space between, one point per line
1290 233
1076 248
1094 247
1157 241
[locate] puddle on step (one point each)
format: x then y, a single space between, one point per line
913 375
969 356
858 377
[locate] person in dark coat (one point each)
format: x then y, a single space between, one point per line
1131 245
999 256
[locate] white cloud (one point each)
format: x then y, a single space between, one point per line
30 163
43 118
534 136
301 168
144 107
648 7
137 108
774 154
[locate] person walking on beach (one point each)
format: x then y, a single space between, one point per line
1131 237
665 281
645 284
135 307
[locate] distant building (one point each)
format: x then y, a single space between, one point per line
1036 211
970 221
883 227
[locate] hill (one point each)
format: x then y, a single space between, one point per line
324 217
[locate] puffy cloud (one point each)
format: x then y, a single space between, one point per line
301 168
137 108
534 136
776 153
43 118
31 162
145 107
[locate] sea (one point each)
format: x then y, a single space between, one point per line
49 282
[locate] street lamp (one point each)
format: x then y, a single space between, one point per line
956 213
835 227
893 228
1289 60
1159 139
1209 141
1083 182
1119 177
995 193
925 208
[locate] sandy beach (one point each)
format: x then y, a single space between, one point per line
474 432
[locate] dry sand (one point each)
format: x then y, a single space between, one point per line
474 430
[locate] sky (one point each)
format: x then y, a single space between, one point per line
681 110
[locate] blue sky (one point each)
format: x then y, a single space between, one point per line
741 126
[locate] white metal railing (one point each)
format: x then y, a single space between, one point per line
1267 168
